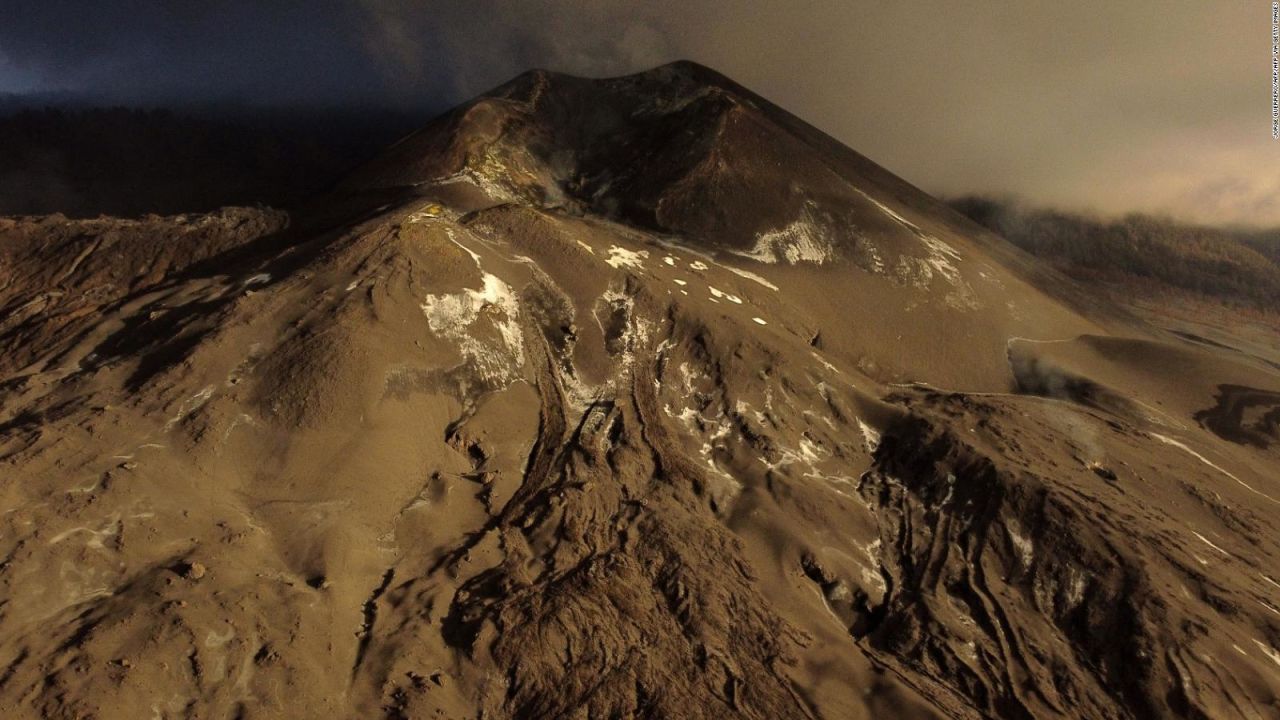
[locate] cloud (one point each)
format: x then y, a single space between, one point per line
1093 104
483 43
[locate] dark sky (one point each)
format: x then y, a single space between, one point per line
1093 104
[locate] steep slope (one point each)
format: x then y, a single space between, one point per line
623 398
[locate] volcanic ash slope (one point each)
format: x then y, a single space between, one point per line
616 398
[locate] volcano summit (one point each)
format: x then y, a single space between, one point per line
619 398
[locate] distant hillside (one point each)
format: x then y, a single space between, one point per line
1266 242
84 161
1238 266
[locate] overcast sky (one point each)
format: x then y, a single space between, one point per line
1092 104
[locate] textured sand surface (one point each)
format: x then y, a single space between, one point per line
624 398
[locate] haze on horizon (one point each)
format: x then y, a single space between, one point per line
1094 105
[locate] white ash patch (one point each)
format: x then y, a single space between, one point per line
1159 417
95 481
713 432
869 576
448 231
807 453
872 579
189 406
1076 586
240 419
669 261
912 271
455 317
942 258
940 261
870 436
826 364
1268 651
750 276
109 528
951 489
1023 544
826 604
699 265
840 484
719 294
1181 446
890 212
688 416
988 275
686 377
213 639
921 272
1210 543
810 452
800 241
811 415
870 259
580 395
663 347
638 330
81 583
494 190
620 257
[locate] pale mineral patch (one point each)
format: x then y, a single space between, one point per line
620 257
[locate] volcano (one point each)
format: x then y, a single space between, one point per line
636 397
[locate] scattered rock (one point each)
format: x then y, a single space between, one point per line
193 570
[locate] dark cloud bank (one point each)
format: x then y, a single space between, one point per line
1153 106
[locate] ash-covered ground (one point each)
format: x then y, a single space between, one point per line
617 398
